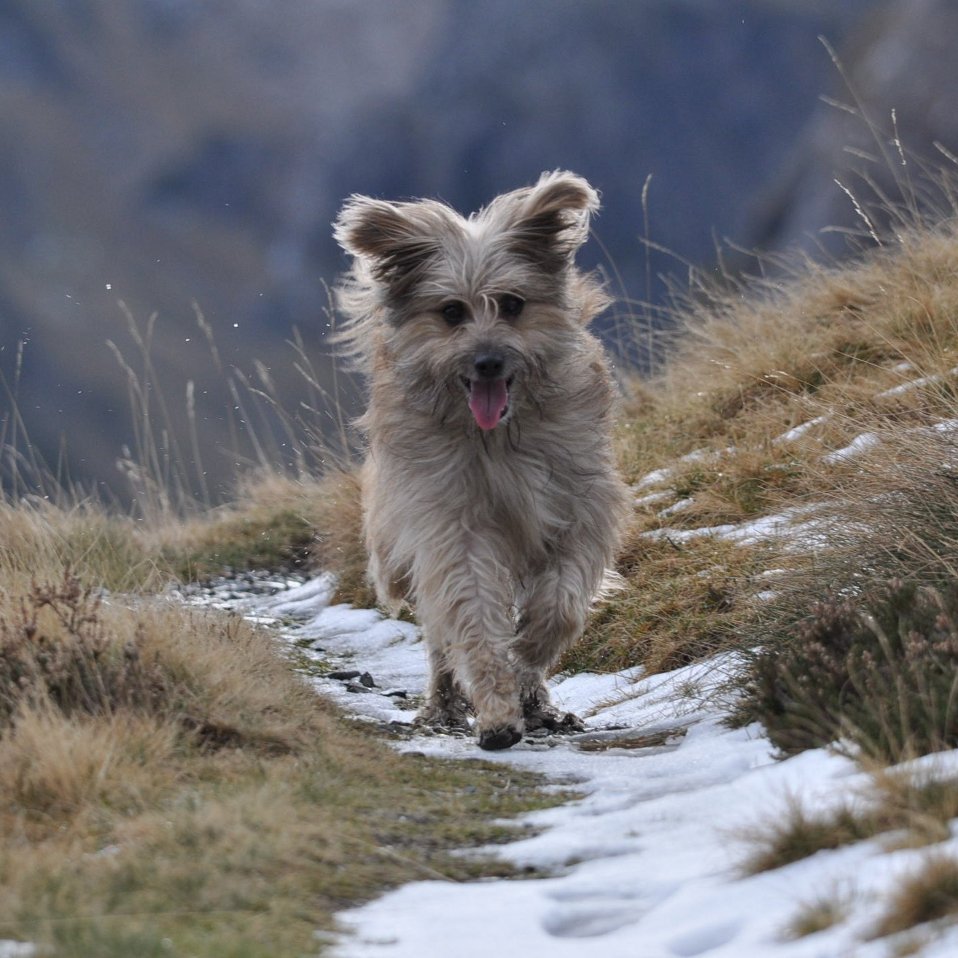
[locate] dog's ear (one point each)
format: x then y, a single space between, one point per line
398 239
548 222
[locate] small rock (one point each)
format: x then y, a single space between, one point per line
344 676
367 680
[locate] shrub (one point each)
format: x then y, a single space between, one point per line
56 648
67 650
876 670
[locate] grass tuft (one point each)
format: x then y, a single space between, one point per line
910 813
929 894
815 916
798 835
102 550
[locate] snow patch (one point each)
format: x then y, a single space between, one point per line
797 432
858 446
648 863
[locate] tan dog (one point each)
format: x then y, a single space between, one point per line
491 500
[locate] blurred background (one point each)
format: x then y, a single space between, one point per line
162 160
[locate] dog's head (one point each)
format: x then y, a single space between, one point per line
474 314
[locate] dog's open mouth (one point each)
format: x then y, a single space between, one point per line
488 401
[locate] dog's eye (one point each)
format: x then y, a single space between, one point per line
454 313
510 306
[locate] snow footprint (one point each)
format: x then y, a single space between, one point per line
594 908
591 920
704 939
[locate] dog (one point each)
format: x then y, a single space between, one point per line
491 501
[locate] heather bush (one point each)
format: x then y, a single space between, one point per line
878 671
56 648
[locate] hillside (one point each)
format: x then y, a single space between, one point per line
174 785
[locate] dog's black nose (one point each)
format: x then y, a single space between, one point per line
489 365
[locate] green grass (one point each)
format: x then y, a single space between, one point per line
278 540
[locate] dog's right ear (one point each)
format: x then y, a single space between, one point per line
398 240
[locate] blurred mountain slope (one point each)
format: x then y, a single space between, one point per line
157 152
902 83
166 153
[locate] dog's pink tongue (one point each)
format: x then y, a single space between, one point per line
488 399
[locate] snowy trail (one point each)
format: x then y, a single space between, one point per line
648 863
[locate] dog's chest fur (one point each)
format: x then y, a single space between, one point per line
520 485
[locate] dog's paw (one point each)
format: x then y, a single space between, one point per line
442 719
496 739
569 722
548 717
446 724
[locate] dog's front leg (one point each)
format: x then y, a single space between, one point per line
445 705
463 601
553 616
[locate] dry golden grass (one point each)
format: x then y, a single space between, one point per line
908 812
278 522
764 357
823 328
101 549
125 835
167 776
68 648
680 602
731 485
930 894
55 768
865 347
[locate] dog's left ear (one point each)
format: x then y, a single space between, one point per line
548 222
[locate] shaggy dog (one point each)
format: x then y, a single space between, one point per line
490 496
